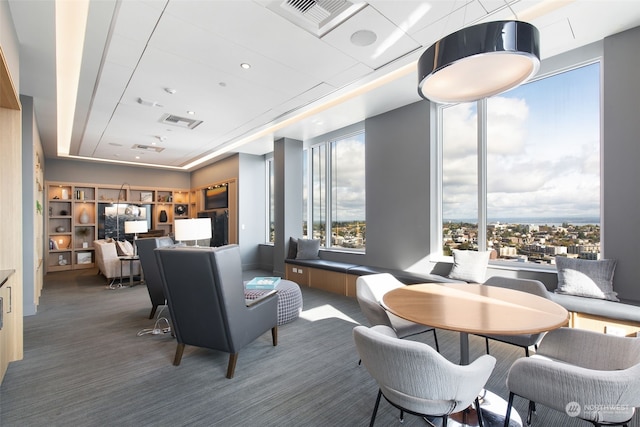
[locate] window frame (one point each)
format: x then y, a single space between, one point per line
437 149
327 142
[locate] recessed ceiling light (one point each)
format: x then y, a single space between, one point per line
363 38
170 90
191 112
245 65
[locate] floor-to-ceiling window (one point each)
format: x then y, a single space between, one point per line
521 170
337 191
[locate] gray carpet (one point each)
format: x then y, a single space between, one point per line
85 365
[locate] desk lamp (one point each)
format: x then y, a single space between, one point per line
135 227
192 229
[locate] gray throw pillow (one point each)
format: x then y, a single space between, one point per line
586 278
308 249
469 266
293 248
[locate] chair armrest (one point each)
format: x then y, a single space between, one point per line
555 384
261 298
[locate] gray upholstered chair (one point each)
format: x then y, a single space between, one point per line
150 269
594 376
415 378
205 295
533 287
369 292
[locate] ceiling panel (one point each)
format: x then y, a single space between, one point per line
390 44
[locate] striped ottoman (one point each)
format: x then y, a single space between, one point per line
289 300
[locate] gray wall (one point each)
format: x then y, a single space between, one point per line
620 157
67 170
397 164
251 208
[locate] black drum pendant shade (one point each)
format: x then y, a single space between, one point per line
479 61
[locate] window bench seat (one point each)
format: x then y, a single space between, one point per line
585 313
340 277
600 315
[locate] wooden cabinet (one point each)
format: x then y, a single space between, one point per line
77 214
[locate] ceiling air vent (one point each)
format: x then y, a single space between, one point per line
182 122
147 148
316 16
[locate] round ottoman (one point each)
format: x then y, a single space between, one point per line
289 300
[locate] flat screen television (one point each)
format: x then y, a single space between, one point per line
216 197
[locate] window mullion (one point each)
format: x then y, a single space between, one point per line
328 193
482 175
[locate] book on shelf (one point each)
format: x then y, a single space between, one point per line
263 283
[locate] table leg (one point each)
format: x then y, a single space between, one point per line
464 348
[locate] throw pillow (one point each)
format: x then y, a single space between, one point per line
124 248
308 249
293 248
586 278
470 266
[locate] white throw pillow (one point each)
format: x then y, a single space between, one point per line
586 278
470 266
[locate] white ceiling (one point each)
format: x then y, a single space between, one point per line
300 85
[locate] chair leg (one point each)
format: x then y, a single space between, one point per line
479 412
153 311
401 416
375 409
178 357
526 351
508 414
445 419
274 335
231 368
532 408
435 338
486 341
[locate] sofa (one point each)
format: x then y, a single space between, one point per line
109 264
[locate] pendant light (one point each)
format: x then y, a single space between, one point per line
479 61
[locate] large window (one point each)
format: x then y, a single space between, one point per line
521 170
337 192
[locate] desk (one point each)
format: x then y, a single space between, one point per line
476 309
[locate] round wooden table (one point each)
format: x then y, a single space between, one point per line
477 309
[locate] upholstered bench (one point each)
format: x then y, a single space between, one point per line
600 315
289 300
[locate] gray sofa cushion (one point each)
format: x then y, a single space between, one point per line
598 307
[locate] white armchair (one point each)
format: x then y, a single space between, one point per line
415 378
109 263
596 376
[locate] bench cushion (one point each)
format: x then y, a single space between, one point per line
406 277
598 307
322 263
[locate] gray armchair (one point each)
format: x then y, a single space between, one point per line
150 269
369 292
415 378
205 295
596 376
533 287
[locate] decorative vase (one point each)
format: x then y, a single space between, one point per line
84 217
60 229
163 216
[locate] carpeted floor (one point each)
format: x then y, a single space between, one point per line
85 365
